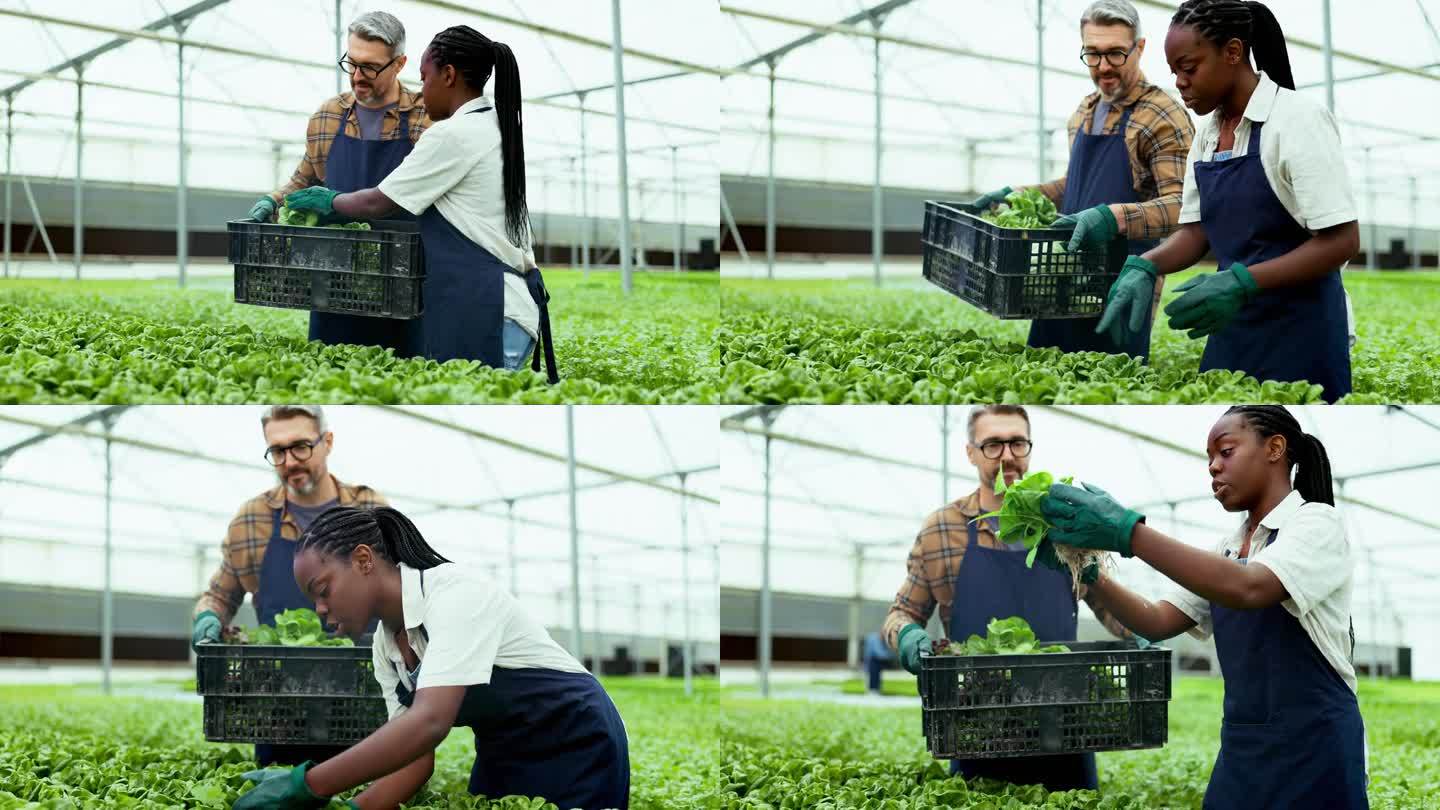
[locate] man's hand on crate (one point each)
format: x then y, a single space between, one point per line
911 641
1094 228
1089 518
990 199
206 628
1129 300
262 211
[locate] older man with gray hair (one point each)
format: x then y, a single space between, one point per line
353 142
1128 144
258 553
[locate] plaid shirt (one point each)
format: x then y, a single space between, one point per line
935 561
326 122
1158 140
243 550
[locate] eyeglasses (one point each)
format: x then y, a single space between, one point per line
368 71
300 451
1020 448
1116 58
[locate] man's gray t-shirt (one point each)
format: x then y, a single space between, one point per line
305 515
371 120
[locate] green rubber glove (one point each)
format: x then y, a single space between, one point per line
1089 518
912 640
1094 228
319 199
1210 302
991 199
1129 300
1048 558
262 211
285 790
206 628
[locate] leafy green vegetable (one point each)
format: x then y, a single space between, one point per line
300 627
311 219
1020 515
1023 209
1011 636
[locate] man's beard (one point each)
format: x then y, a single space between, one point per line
302 490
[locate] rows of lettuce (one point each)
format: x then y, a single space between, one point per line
125 342
828 342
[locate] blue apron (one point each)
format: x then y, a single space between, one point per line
353 165
278 592
1287 334
1099 174
1292 736
543 733
465 298
995 584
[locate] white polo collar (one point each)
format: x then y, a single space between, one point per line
412 601
1262 101
1283 511
476 103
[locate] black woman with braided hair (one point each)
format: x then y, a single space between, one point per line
484 298
453 649
1266 192
1275 594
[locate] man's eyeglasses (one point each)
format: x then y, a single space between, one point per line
368 71
300 451
1116 58
1019 448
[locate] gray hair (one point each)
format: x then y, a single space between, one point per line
1112 12
278 412
377 25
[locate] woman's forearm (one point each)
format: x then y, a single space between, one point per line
396 745
1223 581
400 786
1153 620
365 204
1180 249
1314 258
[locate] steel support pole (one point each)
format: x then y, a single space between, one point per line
545 221
339 45
584 193
675 192
852 647
765 579
944 454
635 631
107 605
510 547
78 226
1328 54
621 153
1414 234
573 188
182 232
574 536
685 575
1040 163
877 194
769 186
597 643
9 150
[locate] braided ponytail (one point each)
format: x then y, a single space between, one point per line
475 57
1251 22
1303 452
338 530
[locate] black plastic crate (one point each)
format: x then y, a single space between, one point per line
1015 272
274 694
379 272
1100 696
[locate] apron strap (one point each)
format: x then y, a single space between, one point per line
547 343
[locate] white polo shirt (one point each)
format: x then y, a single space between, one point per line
474 626
456 167
1313 561
1300 152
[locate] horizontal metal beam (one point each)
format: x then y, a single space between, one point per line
849 509
800 441
549 493
863 15
100 495
95 415
521 447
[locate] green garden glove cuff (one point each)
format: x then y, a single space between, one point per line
1211 301
283 792
1094 228
1247 279
993 198
263 210
910 642
206 628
